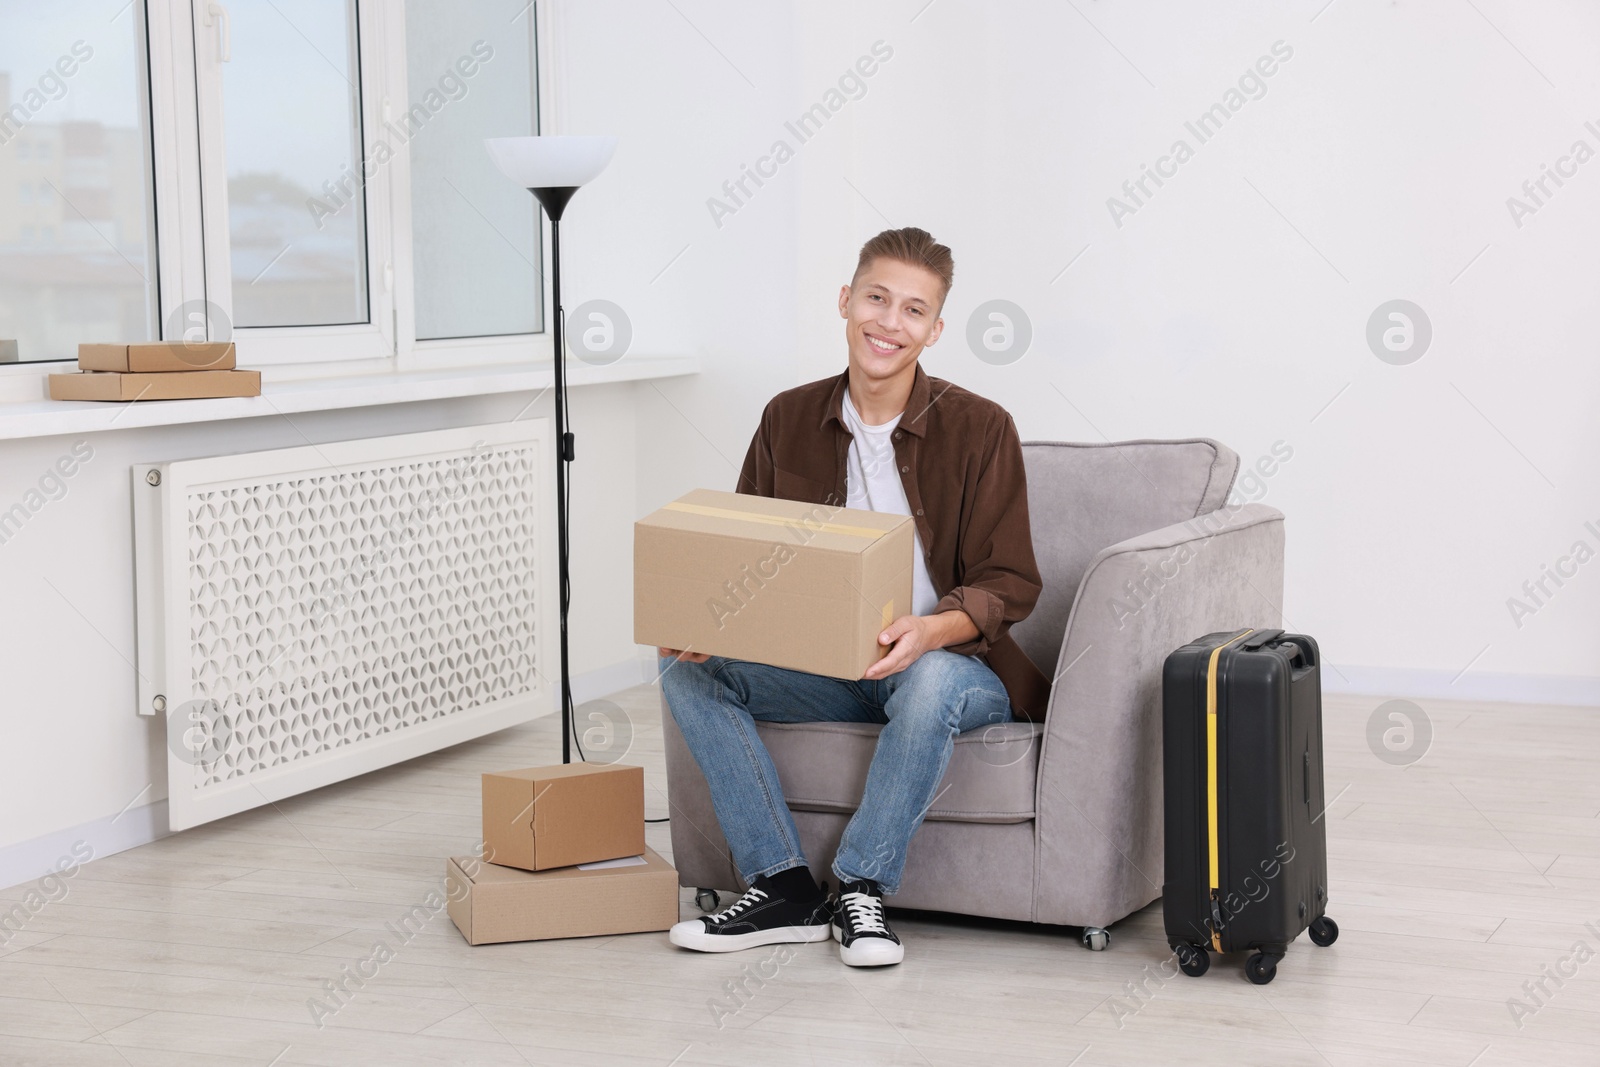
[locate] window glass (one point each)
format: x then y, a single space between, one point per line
475 236
291 111
77 251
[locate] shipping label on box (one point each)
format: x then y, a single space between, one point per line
803 586
543 817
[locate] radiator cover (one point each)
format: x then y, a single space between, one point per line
309 614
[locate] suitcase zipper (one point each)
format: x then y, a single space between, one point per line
1211 789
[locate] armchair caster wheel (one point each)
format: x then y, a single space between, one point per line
1261 968
1096 939
1324 932
1193 960
706 899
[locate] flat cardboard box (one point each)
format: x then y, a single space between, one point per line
165 385
158 356
544 817
803 586
490 903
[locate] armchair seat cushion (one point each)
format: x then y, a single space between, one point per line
991 777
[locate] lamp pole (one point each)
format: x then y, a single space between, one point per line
554 199
564 455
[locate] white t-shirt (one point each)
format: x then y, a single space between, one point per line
872 483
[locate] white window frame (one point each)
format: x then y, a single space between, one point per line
192 261
180 250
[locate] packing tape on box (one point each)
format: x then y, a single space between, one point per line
773 520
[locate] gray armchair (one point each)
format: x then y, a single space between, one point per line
1059 821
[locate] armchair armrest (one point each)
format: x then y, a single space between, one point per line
1099 800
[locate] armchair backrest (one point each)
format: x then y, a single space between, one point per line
1086 497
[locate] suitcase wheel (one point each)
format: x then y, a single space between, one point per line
1193 960
1324 932
1096 939
1261 968
707 899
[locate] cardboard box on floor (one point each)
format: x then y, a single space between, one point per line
803 586
545 817
490 903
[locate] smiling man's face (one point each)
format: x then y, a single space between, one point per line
891 314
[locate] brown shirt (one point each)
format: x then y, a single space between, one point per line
961 466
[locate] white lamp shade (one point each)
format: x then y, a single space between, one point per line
551 162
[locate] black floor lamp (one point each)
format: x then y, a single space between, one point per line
552 169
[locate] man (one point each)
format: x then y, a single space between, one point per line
883 436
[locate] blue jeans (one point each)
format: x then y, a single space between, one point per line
716 705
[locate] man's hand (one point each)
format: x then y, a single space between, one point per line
687 657
912 635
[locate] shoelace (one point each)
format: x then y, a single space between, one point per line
866 913
751 898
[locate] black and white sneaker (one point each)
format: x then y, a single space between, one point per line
859 926
763 916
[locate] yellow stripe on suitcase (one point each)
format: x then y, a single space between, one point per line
1211 772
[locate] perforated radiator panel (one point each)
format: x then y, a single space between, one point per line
309 614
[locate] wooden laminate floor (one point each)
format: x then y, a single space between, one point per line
1455 880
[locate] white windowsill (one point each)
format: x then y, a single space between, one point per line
44 418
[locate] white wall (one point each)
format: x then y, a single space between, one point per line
1233 304
1425 495
690 109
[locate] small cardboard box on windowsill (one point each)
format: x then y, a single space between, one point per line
157 357
162 385
803 586
156 370
546 817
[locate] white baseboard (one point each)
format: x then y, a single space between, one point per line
1420 683
27 861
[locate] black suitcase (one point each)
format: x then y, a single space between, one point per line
1246 847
